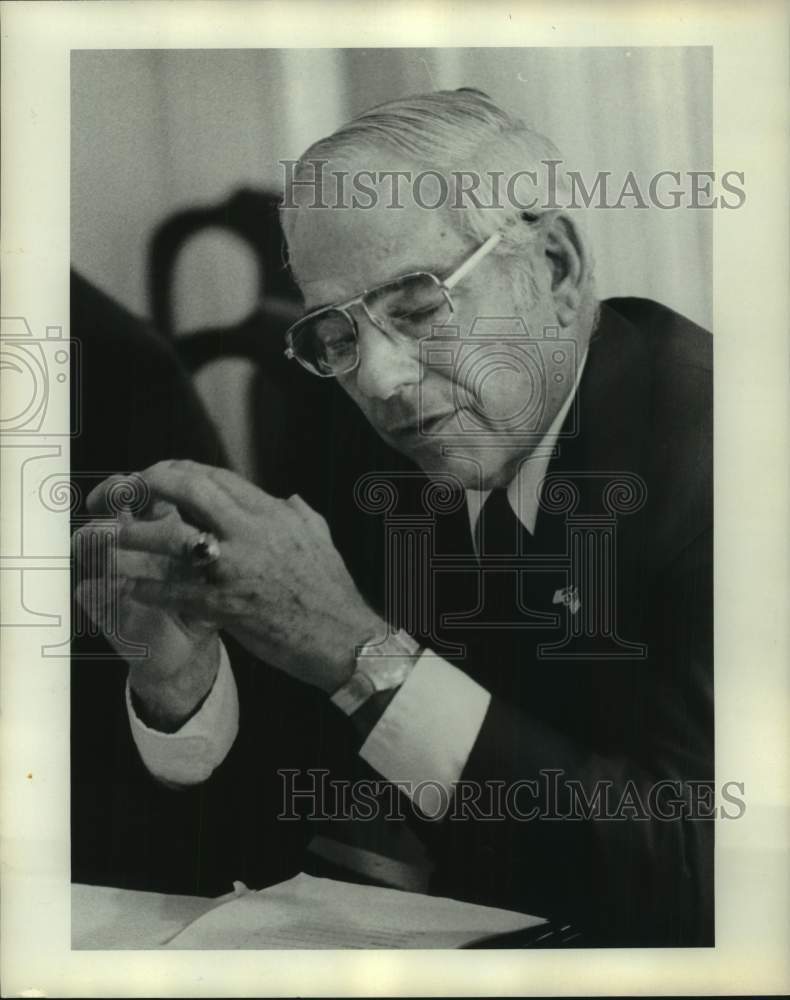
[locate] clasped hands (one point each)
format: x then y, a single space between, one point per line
279 587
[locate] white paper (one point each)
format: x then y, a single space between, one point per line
104 917
308 912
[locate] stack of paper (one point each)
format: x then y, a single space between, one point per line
104 917
308 912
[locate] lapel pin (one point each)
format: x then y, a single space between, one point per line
569 596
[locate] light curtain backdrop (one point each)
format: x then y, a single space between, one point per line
157 131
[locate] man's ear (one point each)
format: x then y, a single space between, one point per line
568 263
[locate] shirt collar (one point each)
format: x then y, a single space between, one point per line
523 491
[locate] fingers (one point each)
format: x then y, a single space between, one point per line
198 498
99 602
207 495
144 566
168 536
94 601
300 505
312 517
245 493
173 484
102 549
119 493
194 599
159 509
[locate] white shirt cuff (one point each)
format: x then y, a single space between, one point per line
424 738
189 755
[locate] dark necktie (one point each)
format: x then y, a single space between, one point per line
498 531
499 538
486 591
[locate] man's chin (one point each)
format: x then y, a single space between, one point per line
482 471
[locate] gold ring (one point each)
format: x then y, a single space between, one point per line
204 550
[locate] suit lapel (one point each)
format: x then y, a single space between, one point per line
607 427
599 455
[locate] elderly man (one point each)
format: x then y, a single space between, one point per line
550 683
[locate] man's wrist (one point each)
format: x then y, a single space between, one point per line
167 702
339 651
382 664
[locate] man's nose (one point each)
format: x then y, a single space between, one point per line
386 364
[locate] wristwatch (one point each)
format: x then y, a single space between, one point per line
381 665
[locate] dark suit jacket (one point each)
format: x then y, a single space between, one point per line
615 722
136 406
618 723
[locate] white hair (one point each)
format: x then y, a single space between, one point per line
462 131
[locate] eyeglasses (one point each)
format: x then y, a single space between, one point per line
326 342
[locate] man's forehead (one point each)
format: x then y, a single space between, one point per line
337 252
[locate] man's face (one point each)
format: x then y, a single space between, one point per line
464 407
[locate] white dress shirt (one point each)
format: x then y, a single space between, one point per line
427 731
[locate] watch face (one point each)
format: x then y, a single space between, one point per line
386 663
386 672
395 644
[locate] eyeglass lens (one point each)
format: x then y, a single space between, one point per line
409 307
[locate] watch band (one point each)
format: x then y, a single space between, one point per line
381 664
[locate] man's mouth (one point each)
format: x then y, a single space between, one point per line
425 424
